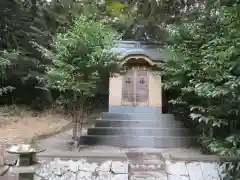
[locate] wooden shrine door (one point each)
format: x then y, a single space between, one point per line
135 88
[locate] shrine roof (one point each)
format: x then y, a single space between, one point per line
152 50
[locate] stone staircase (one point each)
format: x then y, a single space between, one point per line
138 128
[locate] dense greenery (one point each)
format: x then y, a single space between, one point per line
26 28
147 19
202 55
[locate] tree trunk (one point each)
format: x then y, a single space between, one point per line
211 131
74 121
81 116
209 125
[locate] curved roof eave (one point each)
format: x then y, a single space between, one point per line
125 49
133 53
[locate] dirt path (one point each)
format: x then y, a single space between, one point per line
14 129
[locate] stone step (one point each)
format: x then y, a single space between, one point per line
137 116
135 123
139 141
139 131
165 120
134 109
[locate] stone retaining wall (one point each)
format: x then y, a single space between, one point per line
148 166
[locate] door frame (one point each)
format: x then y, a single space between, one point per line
134 103
130 94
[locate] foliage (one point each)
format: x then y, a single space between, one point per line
81 60
80 55
27 27
22 31
147 19
230 169
4 65
203 52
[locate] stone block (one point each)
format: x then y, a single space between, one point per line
104 175
73 166
84 175
176 168
119 167
85 166
210 171
119 177
195 171
81 169
148 175
68 176
178 177
105 166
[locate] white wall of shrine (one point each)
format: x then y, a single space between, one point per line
155 90
115 90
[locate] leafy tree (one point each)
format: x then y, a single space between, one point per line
27 27
81 56
21 31
202 54
4 65
147 19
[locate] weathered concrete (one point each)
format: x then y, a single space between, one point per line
148 175
62 142
204 158
98 156
138 116
139 141
185 170
138 124
3 170
134 109
144 131
196 170
139 130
